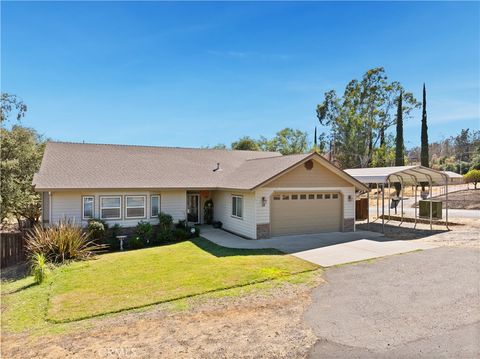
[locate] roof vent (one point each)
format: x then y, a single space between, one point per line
218 167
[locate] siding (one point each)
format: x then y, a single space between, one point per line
318 176
68 205
222 211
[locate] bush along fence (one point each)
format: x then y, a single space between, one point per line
12 247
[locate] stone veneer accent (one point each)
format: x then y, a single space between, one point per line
263 231
348 224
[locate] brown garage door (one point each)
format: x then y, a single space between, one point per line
305 213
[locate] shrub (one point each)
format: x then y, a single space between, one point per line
164 236
180 234
144 232
165 220
39 267
96 228
60 243
111 240
135 243
181 224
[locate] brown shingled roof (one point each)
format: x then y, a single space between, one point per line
98 166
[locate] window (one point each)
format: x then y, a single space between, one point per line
294 196
135 206
276 198
285 197
311 196
154 206
88 207
319 196
237 206
327 196
303 196
335 195
110 207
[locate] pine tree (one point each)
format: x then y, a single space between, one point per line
315 143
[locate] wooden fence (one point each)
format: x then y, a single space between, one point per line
12 247
361 209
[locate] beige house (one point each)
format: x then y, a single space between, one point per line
254 194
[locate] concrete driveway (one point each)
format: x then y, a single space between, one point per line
324 249
417 305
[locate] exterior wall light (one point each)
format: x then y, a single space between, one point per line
264 201
349 198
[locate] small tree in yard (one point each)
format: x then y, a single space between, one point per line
472 176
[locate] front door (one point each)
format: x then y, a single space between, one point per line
193 203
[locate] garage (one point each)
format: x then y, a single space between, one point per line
306 213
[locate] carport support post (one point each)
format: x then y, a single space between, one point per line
383 207
368 208
430 186
446 201
377 200
401 199
389 198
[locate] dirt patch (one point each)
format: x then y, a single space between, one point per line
464 235
256 325
469 199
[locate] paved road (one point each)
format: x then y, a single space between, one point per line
416 305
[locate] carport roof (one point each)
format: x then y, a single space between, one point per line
409 175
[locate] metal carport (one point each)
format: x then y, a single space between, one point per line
406 175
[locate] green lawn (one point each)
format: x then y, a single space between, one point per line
121 281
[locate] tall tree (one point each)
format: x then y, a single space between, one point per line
9 104
246 143
399 145
315 143
424 147
358 120
424 160
287 141
21 154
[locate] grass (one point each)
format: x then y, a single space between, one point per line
121 281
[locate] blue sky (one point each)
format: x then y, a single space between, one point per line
196 74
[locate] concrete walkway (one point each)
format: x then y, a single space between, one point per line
325 249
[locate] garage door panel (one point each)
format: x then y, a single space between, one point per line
305 216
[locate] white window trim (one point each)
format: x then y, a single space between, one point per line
243 206
83 208
102 208
159 204
144 207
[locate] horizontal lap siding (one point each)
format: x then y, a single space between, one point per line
68 205
222 212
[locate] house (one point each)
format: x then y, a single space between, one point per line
254 194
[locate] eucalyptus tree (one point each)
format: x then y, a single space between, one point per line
359 119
